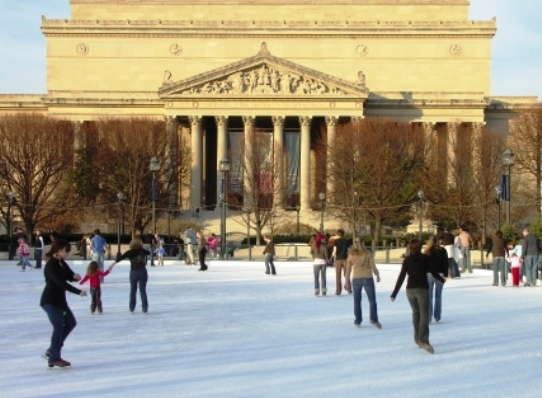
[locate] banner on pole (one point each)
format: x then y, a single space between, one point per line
505 183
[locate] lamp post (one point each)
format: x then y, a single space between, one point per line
420 204
154 167
297 209
322 197
508 158
224 168
120 197
11 197
498 196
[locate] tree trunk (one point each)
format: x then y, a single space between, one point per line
378 229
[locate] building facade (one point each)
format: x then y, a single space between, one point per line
217 70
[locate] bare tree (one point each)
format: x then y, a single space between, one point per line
35 161
376 165
487 170
526 141
261 169
124 151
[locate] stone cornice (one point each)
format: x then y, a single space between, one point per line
168 28
276 2
427 103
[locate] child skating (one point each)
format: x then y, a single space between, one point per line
160 253
24 252
93 275
515 265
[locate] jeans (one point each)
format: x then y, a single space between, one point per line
320 271
25 263
269 265
357 285
531 269
99 258
453 268
63 323
139 276
419 302
38 253
466 264
340 267
499 265
435 290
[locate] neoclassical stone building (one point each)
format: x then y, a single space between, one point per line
217 69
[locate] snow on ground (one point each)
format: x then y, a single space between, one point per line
235 332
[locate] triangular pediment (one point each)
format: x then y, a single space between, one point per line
263 75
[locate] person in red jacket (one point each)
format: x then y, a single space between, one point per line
94 274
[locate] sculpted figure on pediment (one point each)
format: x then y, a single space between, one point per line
262 80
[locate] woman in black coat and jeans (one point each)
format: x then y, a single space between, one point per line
138 273
53 299
417 266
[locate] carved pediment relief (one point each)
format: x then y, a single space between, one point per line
263 75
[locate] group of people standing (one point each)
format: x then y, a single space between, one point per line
519 260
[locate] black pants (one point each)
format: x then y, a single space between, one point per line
96 296
202 253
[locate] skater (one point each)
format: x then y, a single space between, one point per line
53 300
190 241
98 246
160 253
93 275
497 247
362 265
212 243
269 253
417 266
438 260
202 251
138 273
530 257
340 253
515 265
465 242
24 253
447 239
38 249
318 251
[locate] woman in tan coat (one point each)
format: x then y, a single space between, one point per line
360 262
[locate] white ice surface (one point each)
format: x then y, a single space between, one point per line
235 332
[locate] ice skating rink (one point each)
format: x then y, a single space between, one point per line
234 332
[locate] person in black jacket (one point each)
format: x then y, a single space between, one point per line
417 266
438 260
138 273
53 300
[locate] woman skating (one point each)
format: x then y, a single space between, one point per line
202 251
438 260
417 266
361 262
138 273
53 300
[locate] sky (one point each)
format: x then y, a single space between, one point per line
517 47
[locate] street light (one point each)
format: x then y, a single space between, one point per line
420 204
508 159
11 197
120 197
322 197
154 166
498 196
224 168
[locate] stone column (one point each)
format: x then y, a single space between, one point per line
452 129
197 161
172 159
476 150
331 122
305 189
221 151
430 145
78 139
248 176
278 184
